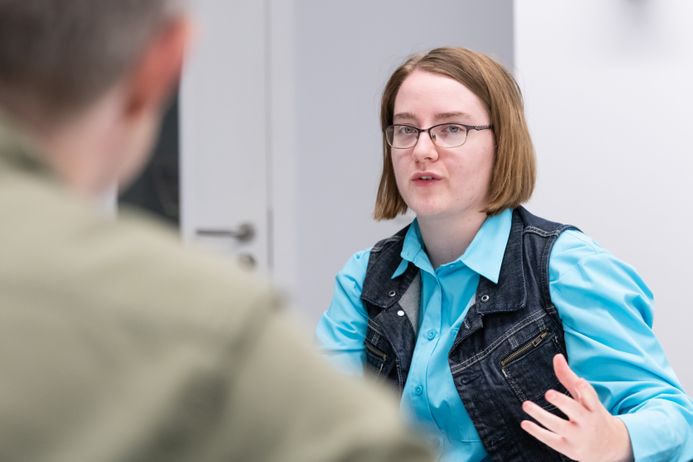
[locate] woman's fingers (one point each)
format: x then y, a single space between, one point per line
552 440
566 376
589 397
550 421
567 405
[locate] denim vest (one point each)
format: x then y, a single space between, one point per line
503 352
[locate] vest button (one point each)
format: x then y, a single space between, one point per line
400 313
485 298
431 334
391 293
418 390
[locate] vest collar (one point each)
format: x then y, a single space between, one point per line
509 293
505 295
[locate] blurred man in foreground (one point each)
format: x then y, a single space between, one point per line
115 344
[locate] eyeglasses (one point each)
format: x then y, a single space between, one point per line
442 135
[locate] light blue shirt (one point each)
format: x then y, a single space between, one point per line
606 310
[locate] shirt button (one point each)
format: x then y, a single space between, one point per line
431 334
418 390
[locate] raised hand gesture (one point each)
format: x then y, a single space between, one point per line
591 433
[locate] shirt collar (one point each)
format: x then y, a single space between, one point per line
484 255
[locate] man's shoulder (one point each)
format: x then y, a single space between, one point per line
110 325
192 286
133 266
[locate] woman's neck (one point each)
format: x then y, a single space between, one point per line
448 238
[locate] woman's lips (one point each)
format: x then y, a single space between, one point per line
425 178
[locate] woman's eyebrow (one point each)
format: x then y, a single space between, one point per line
451 115
408 116
404 116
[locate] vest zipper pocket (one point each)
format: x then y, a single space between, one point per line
535 342
374 351
374 327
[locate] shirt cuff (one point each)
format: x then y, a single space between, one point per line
653 436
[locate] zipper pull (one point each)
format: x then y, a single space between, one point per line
538 340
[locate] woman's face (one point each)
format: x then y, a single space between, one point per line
440 182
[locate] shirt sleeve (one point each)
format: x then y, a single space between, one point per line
341 331
606 310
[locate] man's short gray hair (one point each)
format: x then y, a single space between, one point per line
56 56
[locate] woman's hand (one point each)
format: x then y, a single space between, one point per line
591 433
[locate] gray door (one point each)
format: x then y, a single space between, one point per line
223 133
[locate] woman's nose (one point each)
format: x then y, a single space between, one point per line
424 149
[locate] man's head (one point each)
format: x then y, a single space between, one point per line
102 65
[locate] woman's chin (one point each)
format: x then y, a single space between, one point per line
428 212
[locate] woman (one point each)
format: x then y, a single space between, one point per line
472 309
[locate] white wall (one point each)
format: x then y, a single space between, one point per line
607 86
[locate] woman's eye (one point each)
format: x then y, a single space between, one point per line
453 129
404 130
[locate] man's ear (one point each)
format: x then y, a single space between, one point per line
158 68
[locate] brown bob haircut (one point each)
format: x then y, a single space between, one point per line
514 169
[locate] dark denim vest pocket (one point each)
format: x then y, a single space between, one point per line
376 359
528 369
379 355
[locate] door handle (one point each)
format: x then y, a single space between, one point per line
245 232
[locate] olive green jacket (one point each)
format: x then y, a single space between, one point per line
118 345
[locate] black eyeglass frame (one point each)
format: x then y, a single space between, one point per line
428 130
